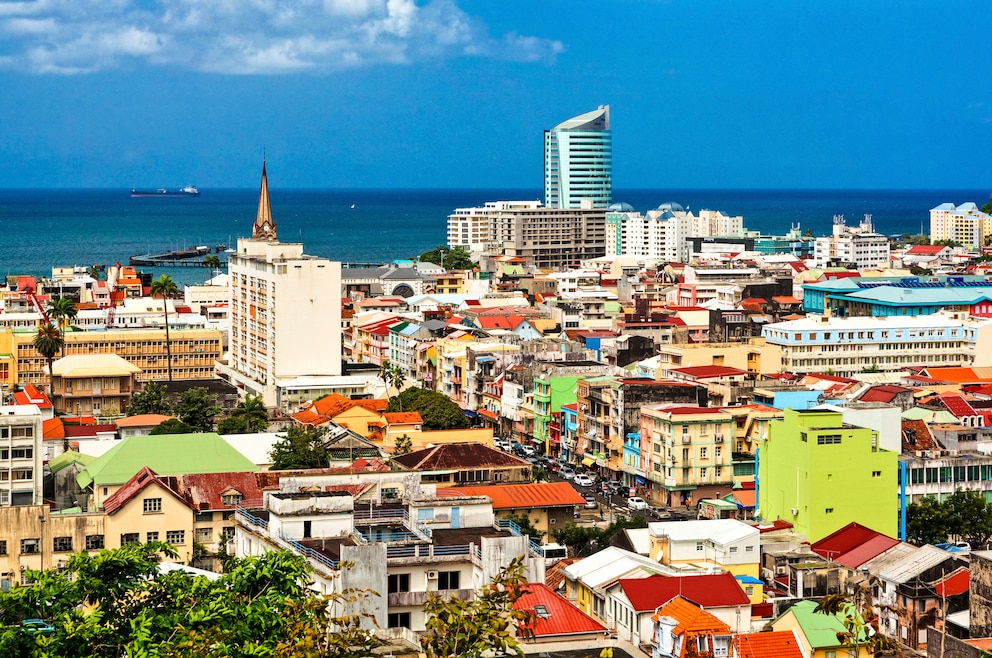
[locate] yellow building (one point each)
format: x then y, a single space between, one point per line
194 352
755 356
93 384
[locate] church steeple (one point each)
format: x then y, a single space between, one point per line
264 227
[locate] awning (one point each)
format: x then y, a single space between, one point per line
588 462
484 359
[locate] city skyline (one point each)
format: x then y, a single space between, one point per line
399 94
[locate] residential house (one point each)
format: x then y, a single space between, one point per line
548 505
97 384
456 464
819 633
682 629
586 581
776 644
139 425
553 619
710 544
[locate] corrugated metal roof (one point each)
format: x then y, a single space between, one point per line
522 496
556 617
707 590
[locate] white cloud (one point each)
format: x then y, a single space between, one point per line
247 37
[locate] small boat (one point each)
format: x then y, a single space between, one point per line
189 190
352 206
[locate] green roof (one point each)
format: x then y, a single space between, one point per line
68 458
929 415
820 630
166 454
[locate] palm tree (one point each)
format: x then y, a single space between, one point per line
48 342
63 310
213 263
253 412
398 377
165 288
385 374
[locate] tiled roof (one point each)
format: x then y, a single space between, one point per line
142 420
205 490
707 590
553 615
403 417
144 477
916 435
334 404
517 496
777 644
458 455
883 393
691 618
553 575
30 394
958 406
52 428
308 417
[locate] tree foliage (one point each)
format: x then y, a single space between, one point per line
860 619
586 540
116 603
165 288
48 342
964 515
403 445
438 410
171 426
526 526
196 408
249 417
449 258
483 626
987 207
300 447
152 399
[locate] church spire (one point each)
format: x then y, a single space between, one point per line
264 227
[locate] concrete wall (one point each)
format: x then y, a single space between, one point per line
980 602
366 568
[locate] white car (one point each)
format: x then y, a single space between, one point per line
566 473
583 480
637 503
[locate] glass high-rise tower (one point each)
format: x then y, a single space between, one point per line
578 161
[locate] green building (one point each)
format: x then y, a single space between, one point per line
820 474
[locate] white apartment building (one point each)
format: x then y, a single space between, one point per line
661 234
861 246
285 310
965 224
844 346
20 455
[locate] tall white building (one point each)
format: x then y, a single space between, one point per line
578 161
860 245
285 310
20 455
662 233
965 224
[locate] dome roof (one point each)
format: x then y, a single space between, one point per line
621 207
671 205
666 215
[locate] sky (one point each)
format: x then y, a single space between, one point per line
714 94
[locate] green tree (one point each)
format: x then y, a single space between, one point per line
969 517
213 264
253 415
581 540
860 618
117 603
152 399
403 445
451 259
482 626
196 408
300 447
62 310
987 208
927 522
171 426
165 288
526 526
438 411
48 342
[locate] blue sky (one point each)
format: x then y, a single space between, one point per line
446 93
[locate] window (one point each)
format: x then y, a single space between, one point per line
448 580
30 545
94 542
749 549
129 538
703 644
702 453
61 544
699 546
175 536
231 499
829 510
733 549
151 505
702 473
151 536
204 535
828 439
399 582
876 474
204 516
3 546
398 620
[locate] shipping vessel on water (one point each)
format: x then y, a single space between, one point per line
189 190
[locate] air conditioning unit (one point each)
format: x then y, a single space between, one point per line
431 575
794 511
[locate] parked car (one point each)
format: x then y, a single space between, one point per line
617 489
528 451
591 503
660 513
37 626
583 480
503 445
566 472
637 503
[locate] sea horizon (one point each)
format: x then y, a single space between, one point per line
46 227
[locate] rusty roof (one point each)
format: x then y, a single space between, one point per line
457 456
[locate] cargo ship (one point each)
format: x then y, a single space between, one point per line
189 190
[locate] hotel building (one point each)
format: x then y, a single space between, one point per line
578 161
965 224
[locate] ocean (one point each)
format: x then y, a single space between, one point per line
45 228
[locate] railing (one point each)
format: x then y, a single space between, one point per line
308 552
507 524
251 518
428 550
380 514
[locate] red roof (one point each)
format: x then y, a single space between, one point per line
205 490
87 431
853 545
954 584
403 417
523 496
136 485
777 524
52 428
925 249
557 617
30 394
778 644
883 393
958 406
708 372
708 590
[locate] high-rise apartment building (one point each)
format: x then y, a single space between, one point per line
285 312
965 224
20 455
859 245
578 161
662 234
